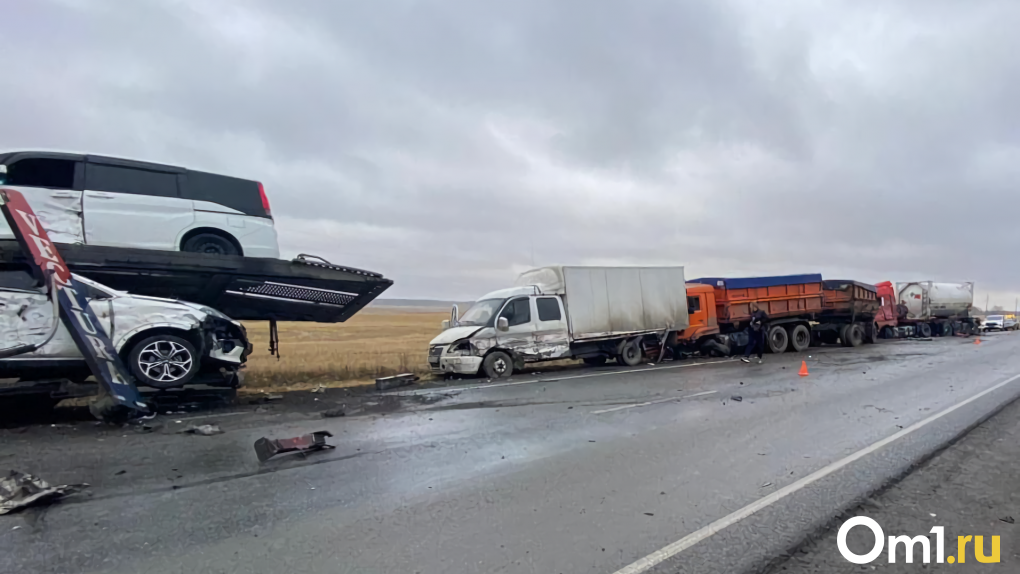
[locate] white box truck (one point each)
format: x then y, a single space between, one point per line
551 313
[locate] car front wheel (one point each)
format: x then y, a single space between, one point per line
164 361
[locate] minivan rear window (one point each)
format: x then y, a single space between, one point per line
235 193
117 179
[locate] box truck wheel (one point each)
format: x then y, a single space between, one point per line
924 330
777 340
630 354
800 337
498 365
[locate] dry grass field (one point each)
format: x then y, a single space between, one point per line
376 342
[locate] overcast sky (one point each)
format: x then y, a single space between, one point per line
452 144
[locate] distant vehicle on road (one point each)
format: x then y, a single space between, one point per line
165 343
589 313
999 323
105 201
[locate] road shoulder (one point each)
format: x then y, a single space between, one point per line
970 488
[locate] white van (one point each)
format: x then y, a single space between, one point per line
95 200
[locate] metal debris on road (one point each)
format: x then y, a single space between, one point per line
266 448
766 485
1008 520
395 381
19 490
736 398
204 430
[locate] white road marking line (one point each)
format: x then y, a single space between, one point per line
622 407
552 380
663 554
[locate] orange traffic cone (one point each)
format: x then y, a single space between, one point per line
977 341
803 369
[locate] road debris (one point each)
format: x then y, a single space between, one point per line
395 381
766 485
1008 520
264 398
204 430
736 398
333 413
266 448
319 389
20 490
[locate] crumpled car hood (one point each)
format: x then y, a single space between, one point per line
454 334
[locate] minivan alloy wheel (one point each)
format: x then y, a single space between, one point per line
165 361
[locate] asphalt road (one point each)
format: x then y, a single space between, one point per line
577 471
970 489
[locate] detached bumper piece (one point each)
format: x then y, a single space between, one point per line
20 490
266 448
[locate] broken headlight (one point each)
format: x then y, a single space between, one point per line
461 349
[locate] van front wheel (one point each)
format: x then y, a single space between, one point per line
498 365
209 243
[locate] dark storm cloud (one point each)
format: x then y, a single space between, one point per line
451 144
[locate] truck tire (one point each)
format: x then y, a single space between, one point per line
924 330
852 335
871 334
776 340
947 329
800 337
595 361
498 365
630 354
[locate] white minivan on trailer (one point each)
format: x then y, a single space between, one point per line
113 202
589 313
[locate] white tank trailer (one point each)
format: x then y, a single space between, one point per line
939 309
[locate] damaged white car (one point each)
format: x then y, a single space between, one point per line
165 343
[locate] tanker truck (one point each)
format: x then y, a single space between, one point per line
927 308
589 313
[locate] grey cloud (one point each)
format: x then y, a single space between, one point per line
450 144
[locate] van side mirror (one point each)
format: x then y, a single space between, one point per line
3 174
502 324
454 315
446 324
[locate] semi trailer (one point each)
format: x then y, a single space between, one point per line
927 308
803 310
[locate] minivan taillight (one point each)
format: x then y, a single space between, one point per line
265 201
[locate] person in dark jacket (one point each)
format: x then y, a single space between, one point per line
756 334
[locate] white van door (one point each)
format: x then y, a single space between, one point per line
132 207
48 185
520 335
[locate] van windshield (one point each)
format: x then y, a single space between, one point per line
481 313
994 318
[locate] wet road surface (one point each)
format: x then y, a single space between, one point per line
576 471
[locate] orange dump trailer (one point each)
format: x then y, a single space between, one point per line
799 316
